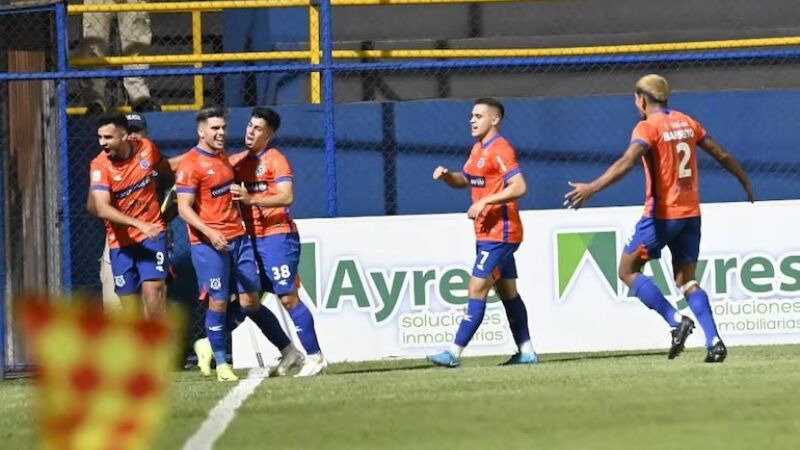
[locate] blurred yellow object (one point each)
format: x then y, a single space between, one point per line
101 380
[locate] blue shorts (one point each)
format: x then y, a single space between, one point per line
682 236
145 261
217 272
495 259
278 258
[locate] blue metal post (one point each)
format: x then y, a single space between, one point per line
332 207
66 215
3 151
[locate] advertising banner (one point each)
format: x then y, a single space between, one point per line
396 287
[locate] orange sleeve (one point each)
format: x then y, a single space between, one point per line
98 177
700 133
282 170
507 162
645 134
186 178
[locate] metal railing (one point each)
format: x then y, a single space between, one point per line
314 53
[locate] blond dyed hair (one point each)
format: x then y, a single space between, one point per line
653 86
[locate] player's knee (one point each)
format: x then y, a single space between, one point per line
249 301
479 287
290 301
217 305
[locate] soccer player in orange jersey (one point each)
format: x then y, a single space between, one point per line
123 193
667 141
494 175
222 254
265 187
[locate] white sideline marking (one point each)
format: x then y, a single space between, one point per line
222 415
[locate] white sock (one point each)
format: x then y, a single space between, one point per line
456 350
526 347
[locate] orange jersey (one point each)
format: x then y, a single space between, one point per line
488 169
132 186
261 174
209 176
673 182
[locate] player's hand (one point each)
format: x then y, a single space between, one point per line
439 172
218 240
748 187
580 194
240 193
151 230
476 209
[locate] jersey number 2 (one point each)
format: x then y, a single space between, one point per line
684 171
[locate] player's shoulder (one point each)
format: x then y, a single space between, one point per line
502 147
684 117
275 153
101 160
237 159
145 144
188 161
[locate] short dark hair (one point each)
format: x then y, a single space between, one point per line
494 103
113 118
269 115
208 112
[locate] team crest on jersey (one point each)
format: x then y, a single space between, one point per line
215 283
144 164
481 163
119 281
260 170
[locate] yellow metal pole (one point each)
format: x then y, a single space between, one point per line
443 53
197 49
314 47
185 6
570 51
248 4
179 60
80 110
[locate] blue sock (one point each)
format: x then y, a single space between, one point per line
269 325
698 302
517 315
649 294
217 335
469 325
304 322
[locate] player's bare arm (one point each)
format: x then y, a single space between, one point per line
730 163
583 192
103 209
91 207
455 180
516 188
283 195
188 214
175 161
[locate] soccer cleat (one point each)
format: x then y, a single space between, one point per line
291 358
445 359
202 348
225 373
522 358
717 353
315 364
679 336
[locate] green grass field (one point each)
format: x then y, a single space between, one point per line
587 401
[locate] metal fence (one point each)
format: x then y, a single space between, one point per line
369 114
